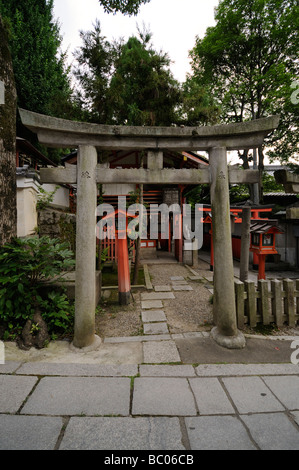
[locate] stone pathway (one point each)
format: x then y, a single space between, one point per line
155 321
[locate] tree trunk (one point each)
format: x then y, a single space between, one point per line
8 189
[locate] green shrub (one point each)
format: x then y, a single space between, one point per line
26 266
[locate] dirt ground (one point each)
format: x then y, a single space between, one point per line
190 311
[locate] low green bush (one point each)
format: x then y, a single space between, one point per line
26 266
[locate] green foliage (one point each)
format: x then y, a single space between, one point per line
58 312
248 62
199 195
41 75
142 88
125 83
102 258
238 193
26 266
39 70
270 184
198 106
44 198
127 7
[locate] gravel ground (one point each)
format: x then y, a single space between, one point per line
190 311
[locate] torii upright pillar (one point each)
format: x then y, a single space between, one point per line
224 309
85 294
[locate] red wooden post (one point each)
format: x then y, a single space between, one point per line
124 283
262 264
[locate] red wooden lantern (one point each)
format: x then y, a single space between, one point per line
263 242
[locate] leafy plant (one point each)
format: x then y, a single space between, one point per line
44 198
26 267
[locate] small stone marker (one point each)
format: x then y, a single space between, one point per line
2 93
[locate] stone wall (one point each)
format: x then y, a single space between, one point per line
58 224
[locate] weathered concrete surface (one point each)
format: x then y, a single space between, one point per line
155 352
117 434
163 406
206 351
140 175
224 309
210 433
29 432
163 396
158 328
85 293
64 133
61 352
15 390
148 316
157 296
80 395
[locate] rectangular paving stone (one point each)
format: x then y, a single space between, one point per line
295 415
80 396
178 288
162 396
177 278
144 433
29 432
147 370
152 316
251 395
216 370
272 431
162 288
137 339
179 283
210 397
155 328
147 304
217 433
9 367
195 278
13 391
79 370
160 351
157 296
286 389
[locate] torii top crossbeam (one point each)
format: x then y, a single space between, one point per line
61 133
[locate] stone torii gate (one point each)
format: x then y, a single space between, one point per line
216 140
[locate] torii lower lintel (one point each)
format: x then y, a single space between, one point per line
216 140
